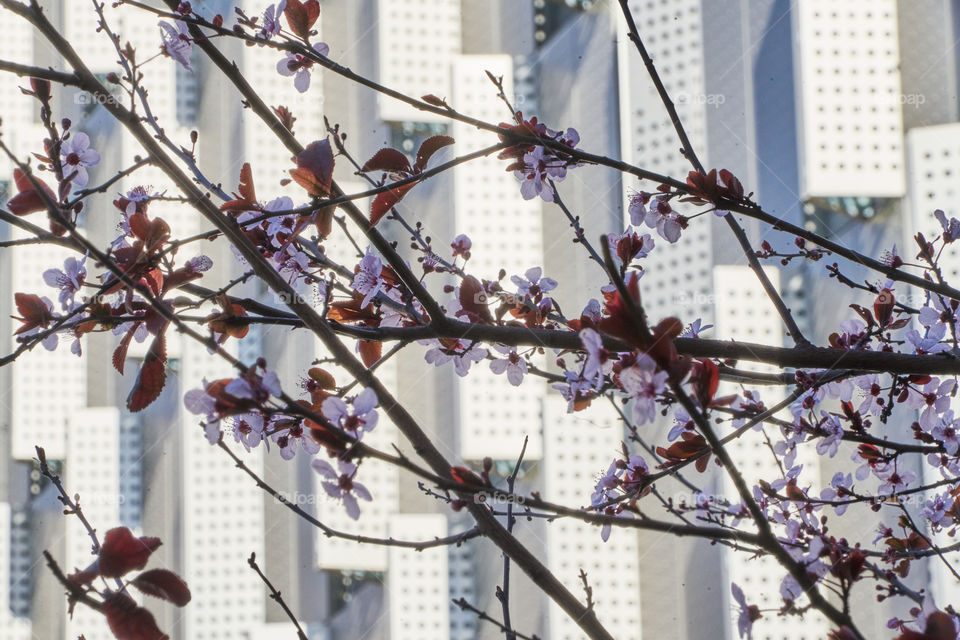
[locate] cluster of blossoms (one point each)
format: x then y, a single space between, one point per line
534 165
252 407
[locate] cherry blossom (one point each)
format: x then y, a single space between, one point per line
288 438
461 246
463 353
841 485
665 220
541 164
356 418
341 485
248 429
638 207
643 383
294 64
69 280
946 431
931 342
271 20
934 398
76 156
533 284
951 229
514 365
894 480
367 281
695 329
747 615
599 361
176 42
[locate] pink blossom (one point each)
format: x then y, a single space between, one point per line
341 485
76 156
69 280
176 42
294 64
367 281
356 418
463 353
271 20
664 219
643 383
514 365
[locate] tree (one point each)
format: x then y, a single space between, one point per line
898 354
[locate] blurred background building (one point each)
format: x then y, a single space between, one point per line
842 117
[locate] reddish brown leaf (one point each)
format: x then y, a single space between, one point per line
314 170
466 476
705 378
246 198
120 353
152 377
385 201
122 552
28 200
301 16
473 301
33 312
164 584
128 621
429 147
389 160
883 307
370 351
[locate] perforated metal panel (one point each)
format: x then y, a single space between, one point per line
745 313
506 232
850 116
415 42
578 449
417 582
93 473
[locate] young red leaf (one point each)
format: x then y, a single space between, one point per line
246 198
370 351
473 301
33 311
301 16
883 307
386 201
152 377
429 147
164 584
466 476
128 621
28 200
314 170
120 353
389 160
122 552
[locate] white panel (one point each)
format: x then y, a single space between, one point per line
417 580
677 280
933 164
463 624
93 473
578 449
34 419
506 232
222 521
382 480
850 111
416 40
11 628
745 313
